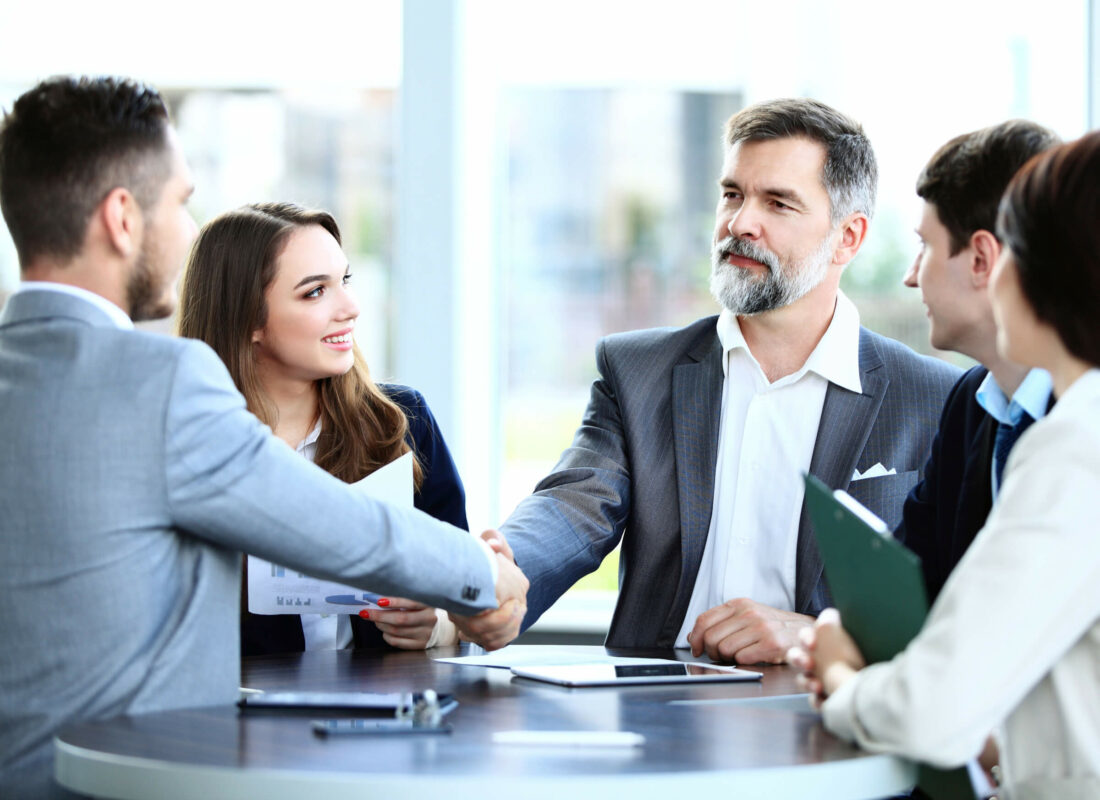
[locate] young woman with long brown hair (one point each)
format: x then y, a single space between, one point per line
266 286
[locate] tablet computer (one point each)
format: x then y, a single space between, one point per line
656 671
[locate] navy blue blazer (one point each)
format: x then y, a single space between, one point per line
441 495
945 511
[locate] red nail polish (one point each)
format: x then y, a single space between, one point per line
364 614
383 601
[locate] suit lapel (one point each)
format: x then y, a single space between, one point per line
696 417
846 422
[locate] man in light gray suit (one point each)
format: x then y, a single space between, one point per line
694 441
131 476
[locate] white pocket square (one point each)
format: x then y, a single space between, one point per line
877 471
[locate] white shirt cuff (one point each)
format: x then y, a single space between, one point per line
444 631
491 555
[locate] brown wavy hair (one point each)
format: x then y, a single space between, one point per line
222 303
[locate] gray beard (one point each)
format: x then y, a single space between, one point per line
785 282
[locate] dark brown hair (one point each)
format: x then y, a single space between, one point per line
65 145
232 263
850 175
966 177
1050 219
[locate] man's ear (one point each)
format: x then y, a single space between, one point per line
122 221
853 231
984 252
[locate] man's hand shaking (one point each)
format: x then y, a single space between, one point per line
494 628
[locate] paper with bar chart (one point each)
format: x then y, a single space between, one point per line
273 589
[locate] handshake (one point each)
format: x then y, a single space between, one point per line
496 627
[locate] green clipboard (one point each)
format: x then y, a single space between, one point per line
876 583
878 587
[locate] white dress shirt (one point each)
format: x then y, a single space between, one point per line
1014 638
322 631
765 442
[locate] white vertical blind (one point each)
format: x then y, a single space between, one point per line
445 293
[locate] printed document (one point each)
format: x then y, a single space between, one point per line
273 589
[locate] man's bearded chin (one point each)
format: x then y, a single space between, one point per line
147 296
747 293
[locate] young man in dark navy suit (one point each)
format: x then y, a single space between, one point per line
994 402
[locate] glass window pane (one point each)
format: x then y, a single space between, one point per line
612 156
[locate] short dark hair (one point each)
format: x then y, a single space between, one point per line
65 145
1048 219
966 177
850 175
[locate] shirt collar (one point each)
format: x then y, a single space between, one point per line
311 438
836 357
117 315
1032 396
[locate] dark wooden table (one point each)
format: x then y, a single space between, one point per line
738 740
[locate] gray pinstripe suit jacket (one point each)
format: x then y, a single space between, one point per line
642 463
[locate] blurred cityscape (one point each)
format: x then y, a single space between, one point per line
605 225
606 127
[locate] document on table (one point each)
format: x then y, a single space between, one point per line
273 589
535 655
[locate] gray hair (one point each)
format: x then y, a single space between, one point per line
850 176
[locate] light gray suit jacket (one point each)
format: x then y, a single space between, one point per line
131 478
642 463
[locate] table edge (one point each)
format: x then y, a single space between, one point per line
89 771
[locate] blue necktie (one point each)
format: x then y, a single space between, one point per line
1002 444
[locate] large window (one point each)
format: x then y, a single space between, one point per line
331 150
612 156
268 106
575 147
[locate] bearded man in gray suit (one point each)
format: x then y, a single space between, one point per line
694 440
132 476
